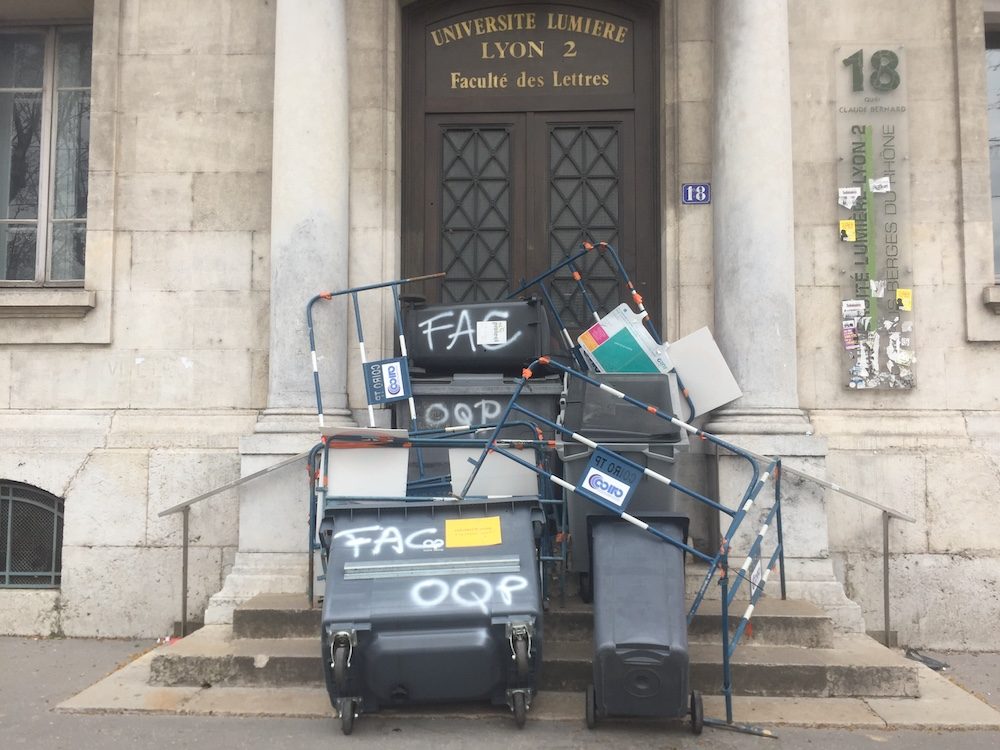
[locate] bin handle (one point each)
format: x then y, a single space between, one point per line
665 459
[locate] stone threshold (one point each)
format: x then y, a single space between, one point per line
942 705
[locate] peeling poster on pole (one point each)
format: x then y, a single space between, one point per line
876 311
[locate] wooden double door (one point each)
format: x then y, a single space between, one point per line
495 197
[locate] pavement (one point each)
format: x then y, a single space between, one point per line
80 693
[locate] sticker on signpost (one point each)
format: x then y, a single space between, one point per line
610 479
386 381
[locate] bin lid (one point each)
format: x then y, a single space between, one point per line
603 417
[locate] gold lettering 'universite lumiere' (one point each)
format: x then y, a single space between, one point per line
587 25
530 50
528 21
483 25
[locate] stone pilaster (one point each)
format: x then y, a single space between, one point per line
309 207
754 275
310 227
752 192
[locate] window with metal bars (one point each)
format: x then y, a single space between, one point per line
31 530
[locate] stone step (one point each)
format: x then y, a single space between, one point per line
276 616
855 666
212 657
694 577
775 622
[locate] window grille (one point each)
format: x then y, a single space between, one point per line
31 530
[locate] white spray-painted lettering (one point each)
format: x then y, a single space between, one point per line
389 536
440 414
464 327
466 592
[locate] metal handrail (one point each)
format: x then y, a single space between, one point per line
843 491
185 509
887 514
235 483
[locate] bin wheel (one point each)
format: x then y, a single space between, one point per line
521 657
697 712
591 709
346 711
340 668
586 588
520 709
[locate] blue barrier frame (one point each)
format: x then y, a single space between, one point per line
718 562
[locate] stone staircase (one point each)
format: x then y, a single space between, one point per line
791 651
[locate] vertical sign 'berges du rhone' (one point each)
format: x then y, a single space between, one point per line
873 252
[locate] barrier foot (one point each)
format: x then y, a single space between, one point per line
741 728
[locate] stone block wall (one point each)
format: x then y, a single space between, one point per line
116 471
687 80
951 372
179 197
142 403
152 414
931 452
943 470
926 452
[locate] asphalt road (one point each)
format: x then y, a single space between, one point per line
36 675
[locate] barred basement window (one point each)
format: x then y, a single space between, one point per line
44 155
31 530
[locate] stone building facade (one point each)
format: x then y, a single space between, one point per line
241 155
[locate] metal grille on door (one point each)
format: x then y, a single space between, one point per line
584 204
475 214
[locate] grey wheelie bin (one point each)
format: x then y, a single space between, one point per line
641 661
431 603
470 399
647 440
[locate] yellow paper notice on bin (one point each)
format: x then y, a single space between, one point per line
472 532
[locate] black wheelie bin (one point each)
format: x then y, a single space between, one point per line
431 603
494 337
641 661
